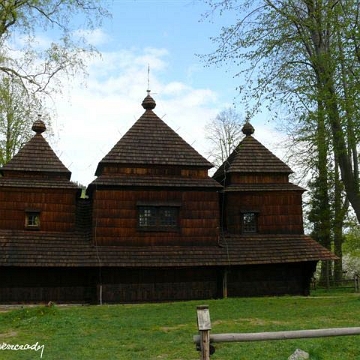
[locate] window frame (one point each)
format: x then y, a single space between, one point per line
32 219
251 226
155 217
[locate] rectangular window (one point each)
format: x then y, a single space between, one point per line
158 218
249 222
32 220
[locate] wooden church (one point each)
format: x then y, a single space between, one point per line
154 225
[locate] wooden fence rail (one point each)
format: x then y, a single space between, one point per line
204 339
353 283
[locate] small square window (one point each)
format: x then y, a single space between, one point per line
32 220
249 222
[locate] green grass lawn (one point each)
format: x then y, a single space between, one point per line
165 330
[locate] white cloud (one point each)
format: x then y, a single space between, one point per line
94 37
93 116
174 88
100 113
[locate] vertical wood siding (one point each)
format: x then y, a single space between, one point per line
274 279
115 217
26 285
279 212
57 208
144 285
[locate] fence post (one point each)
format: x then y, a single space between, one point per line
356 280
204 327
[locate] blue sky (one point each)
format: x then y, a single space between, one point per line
165 35
180 27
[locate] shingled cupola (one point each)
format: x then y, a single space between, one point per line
258 196
158 184
37 158
250 159
150 142
35 188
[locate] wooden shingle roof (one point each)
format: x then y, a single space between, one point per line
250 156
36 165
271 249
36 249
150 141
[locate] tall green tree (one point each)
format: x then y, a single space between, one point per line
36 65
341 205
302 55
320 213
31 66
18 110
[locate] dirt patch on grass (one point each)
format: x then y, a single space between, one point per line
172 328
8 334
6 308
252 321
256 321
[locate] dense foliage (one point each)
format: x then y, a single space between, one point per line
302 59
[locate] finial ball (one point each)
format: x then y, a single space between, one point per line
148 103
38 126
248 129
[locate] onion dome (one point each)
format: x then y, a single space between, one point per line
38 126
148 103
248 129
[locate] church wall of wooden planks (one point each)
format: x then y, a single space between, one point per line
154 226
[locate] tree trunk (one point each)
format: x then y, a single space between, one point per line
340 210
323 67
342 155
323 228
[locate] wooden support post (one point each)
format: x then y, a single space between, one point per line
225 284
204 327
99 294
